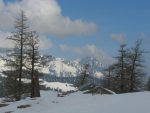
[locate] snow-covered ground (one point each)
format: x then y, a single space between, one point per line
83 103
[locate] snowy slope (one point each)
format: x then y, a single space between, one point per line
83 103
64 87
58 86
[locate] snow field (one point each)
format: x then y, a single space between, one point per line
83 103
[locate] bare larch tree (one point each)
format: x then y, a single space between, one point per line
19 38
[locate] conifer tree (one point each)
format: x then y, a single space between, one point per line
83 78
33 62
17 54
136 69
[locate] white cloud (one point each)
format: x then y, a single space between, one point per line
88 50
45 43
118 37
5 43
45 17
84 50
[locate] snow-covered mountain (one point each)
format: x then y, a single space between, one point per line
95 65
93 62
66 68
59 67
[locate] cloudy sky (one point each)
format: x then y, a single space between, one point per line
77 28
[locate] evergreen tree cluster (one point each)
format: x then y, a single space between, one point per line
127 74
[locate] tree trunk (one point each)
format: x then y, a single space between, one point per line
32 77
